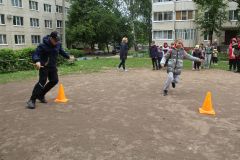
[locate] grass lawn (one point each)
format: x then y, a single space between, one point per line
95 65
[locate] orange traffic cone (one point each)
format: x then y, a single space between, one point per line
207 107
61 95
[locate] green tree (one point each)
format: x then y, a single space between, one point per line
211 16
96 22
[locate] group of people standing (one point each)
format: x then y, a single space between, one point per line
208 53
157 53
234 55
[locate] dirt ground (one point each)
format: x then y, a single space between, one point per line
124 116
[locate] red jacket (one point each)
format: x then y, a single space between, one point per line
230 54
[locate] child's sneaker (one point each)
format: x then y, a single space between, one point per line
173 85
165 92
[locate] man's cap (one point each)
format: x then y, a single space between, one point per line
55 36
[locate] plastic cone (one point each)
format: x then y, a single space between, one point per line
207 107
61 95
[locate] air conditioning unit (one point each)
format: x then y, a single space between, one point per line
9 16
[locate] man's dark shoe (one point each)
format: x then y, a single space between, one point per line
165 92
31 104
42 100
173 85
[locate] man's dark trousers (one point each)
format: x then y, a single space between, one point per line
41 88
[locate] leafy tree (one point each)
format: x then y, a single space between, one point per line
211 16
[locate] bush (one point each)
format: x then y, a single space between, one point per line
8 60
223 56
19 60
76 53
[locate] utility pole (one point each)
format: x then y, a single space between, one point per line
64 25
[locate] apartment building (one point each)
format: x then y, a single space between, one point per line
174 19
23 23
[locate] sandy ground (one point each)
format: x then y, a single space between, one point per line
124 116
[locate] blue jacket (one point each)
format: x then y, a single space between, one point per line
153 51
123 51
47 54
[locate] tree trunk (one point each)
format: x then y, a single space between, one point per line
107 48
211 37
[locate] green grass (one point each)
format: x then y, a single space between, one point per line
90 66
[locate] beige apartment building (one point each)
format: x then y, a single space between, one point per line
174 19
23 23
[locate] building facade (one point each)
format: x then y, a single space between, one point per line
23 23
173 19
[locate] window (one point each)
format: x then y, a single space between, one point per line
3 39
33 5
34 22
1 1
19 39
2 19
186 34
66 10
184 15
48 24
163 16
59 24
35 39
206 37
167 34
233 15
17 21
161 1
47 8
17 3
59 9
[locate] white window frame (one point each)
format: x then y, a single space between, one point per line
59 9
17 3
18 19
186 15
186 34
37 40
3 40
207 35
60 23
162 1
162 34
20 39
33 5
4 20
234 13
163 16
49 24
47 8
34 22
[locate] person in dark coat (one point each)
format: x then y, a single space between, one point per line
153 55
197 53
123 53
45 59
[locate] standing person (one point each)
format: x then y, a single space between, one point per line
198 54
159 56
232 57
165 50
123 53
237 53
202 48
153 55
45 58
215 44
215 57
208 55
175 64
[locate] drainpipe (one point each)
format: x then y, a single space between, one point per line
64 25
